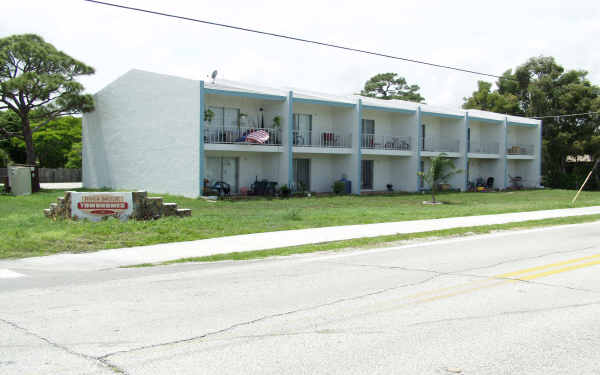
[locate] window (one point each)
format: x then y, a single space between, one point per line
225 117
368 127
302 129
366 174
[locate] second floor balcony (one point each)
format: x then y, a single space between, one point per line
242 135
519 149
439 144
484 148
324 139
385 142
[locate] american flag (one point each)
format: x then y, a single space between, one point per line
258 136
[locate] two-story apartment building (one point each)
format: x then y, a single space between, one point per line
173 135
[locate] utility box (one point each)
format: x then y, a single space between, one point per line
19 180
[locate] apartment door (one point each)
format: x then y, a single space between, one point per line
423 137
366 174
302 129
302 174
222 169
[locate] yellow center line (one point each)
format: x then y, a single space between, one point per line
560 270
527 270
470 286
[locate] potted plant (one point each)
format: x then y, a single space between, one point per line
276 127
208 115
276 122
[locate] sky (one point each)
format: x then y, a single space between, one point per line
479 35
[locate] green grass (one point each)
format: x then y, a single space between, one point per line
24 231
381 241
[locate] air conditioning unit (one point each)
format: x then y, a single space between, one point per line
19 180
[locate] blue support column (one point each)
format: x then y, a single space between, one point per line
420 135
290 137
504 152
201 140
466 151
540 151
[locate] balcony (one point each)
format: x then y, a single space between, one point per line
323 139
484 148
438 144
242 135
519 149
385 142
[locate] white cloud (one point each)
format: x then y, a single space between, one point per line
484 36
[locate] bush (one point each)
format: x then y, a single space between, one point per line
339 187
285 191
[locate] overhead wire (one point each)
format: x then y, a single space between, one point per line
298 39
309 41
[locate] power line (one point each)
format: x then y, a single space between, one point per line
569 115
299 39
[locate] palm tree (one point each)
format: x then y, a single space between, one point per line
440 170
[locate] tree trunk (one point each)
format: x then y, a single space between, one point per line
433 193
31 157
28 138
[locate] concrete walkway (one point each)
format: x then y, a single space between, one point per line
60 185
269 240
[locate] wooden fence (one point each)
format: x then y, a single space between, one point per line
53 174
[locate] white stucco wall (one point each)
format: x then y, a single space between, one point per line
144 134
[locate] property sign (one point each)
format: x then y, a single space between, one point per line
95 206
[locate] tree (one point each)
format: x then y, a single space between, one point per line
441 168
4 158
391 86
542 87
74 156
38 83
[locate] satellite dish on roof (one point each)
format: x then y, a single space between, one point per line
214 75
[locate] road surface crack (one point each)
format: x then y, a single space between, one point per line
528 258
461 273
267 317
101 361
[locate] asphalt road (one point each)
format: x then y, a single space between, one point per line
517 303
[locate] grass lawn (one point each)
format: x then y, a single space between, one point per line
24 231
